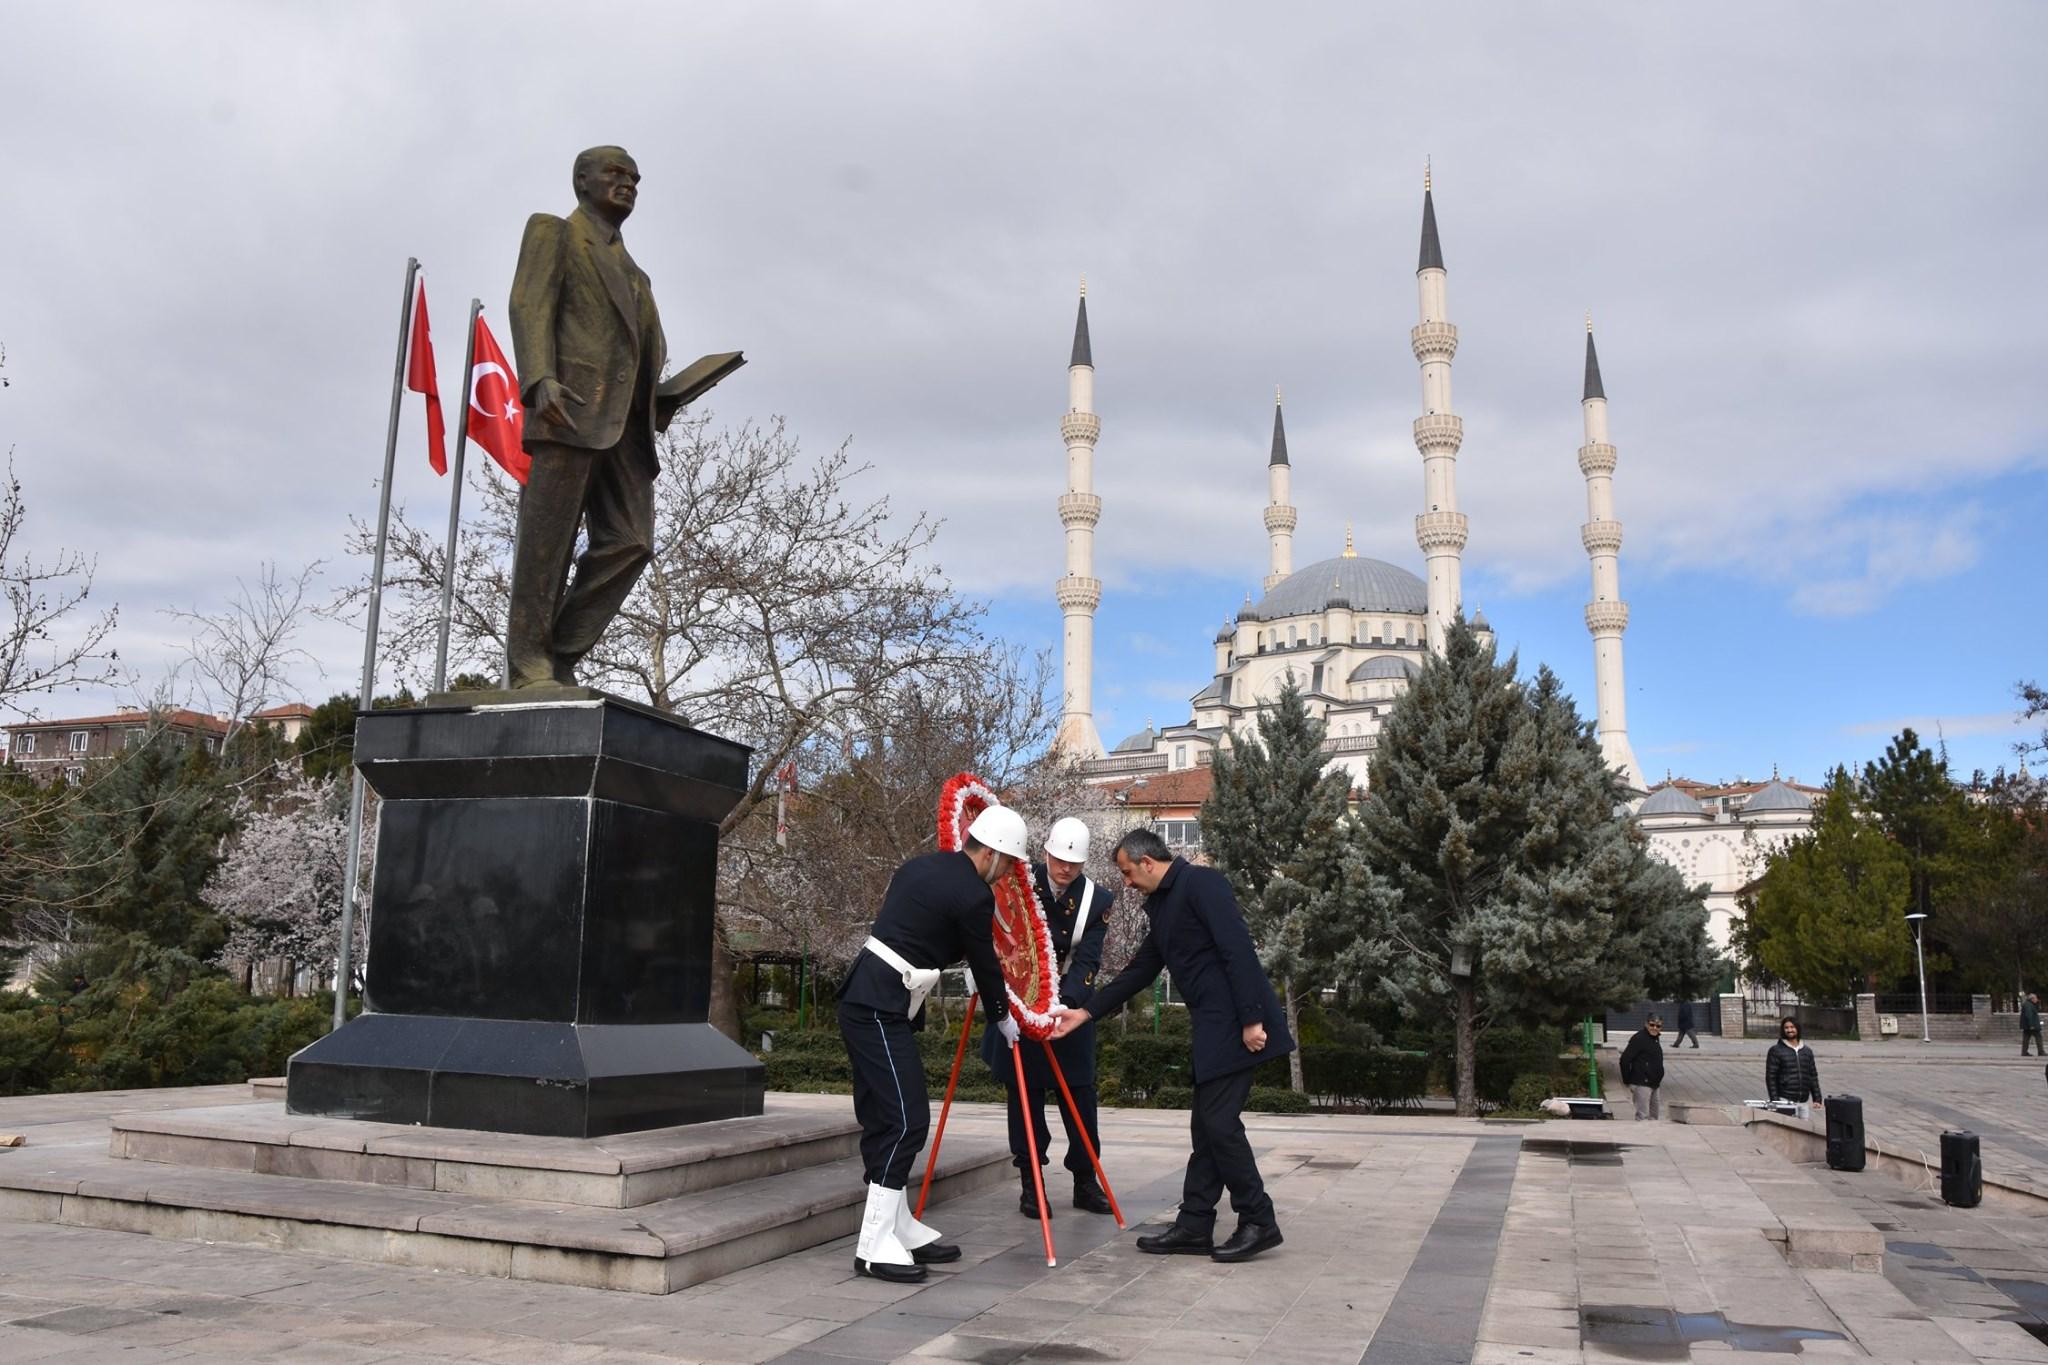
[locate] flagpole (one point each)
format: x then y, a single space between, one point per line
369 688
455 500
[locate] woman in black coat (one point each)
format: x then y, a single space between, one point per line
1790 1072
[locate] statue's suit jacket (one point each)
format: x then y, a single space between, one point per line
583 315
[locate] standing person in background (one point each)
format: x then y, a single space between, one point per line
1790 1073
1686 1026
2030 1025
1642 1068
1077 913
1196 930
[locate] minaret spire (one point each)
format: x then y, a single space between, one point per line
1606 614
1078 591
1280 515
1441 529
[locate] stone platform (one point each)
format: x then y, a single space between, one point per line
652 1212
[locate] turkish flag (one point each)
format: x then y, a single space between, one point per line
496 421
419 377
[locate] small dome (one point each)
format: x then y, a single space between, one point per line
1479 621
1385 666
1226 631
1776 796
1361 584
1669 799
1138 743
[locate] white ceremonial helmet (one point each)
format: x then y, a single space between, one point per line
1001 829
1068 840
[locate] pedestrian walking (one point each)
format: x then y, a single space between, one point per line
1686 1026
1642 1068
2030 1025
1790 1072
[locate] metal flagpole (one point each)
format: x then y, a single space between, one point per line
455 498
355 796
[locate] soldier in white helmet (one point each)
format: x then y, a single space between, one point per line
938 909
1077 912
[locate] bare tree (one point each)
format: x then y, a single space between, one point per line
777 610
40 650
242 655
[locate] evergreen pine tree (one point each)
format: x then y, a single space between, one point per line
1829 917
1275 825
1505 883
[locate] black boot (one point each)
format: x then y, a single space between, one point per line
1088 1195
1027 1198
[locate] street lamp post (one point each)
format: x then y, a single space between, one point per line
1916 919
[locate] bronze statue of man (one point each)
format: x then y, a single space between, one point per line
590 352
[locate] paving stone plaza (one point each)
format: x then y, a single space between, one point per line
1409 1239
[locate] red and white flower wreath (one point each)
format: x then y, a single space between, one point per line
1023 938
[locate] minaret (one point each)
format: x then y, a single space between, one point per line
1606 614
1280 517
1440 530
1078 590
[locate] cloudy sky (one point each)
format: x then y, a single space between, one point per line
1811 238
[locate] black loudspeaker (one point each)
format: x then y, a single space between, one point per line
1962 1171
1845 1132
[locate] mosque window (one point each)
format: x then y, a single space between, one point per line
1387 631
1291 641
1315 633
1223 691
1180 755
1316 682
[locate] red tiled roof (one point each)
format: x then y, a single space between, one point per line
1181 787
294 710
180 719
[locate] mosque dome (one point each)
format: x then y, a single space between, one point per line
1138 743
1776 796
1670 799
1385 666
1359 583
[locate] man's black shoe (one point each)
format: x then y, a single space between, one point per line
1089 1197
883 1270
1248 1241
1177 1241
1027 1197
935 1253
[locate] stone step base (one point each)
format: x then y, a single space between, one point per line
621 1172
656 1248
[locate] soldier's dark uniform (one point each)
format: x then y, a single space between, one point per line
936 911
1076 1051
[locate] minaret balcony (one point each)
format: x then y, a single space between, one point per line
1076 593
1080 509
1606 618
1280 517
1434 341
1601 537
1438 431
1441 531
1080 428
1596 457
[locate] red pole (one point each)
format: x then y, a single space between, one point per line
1087 1143
1031 1146
931 1162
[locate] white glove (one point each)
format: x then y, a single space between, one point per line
1008 1028
1055 1009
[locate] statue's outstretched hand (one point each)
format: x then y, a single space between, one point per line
547 401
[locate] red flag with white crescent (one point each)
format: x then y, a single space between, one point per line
419 377
496 421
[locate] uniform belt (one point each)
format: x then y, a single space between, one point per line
917 980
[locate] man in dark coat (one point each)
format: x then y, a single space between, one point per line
1642 1067
1790 1072
938 909
1686 1027
2030 1025
1197 932
1077 913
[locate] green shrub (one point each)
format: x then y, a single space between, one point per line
1508 1053
1147 1064
1173 1097
1527 1094
1266 1099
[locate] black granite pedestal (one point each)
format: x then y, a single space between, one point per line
540 925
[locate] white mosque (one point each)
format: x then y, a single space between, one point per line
1350 631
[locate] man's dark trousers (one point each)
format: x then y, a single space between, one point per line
1222 1157
2031 1035
612 493
1036 1095
888 1092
